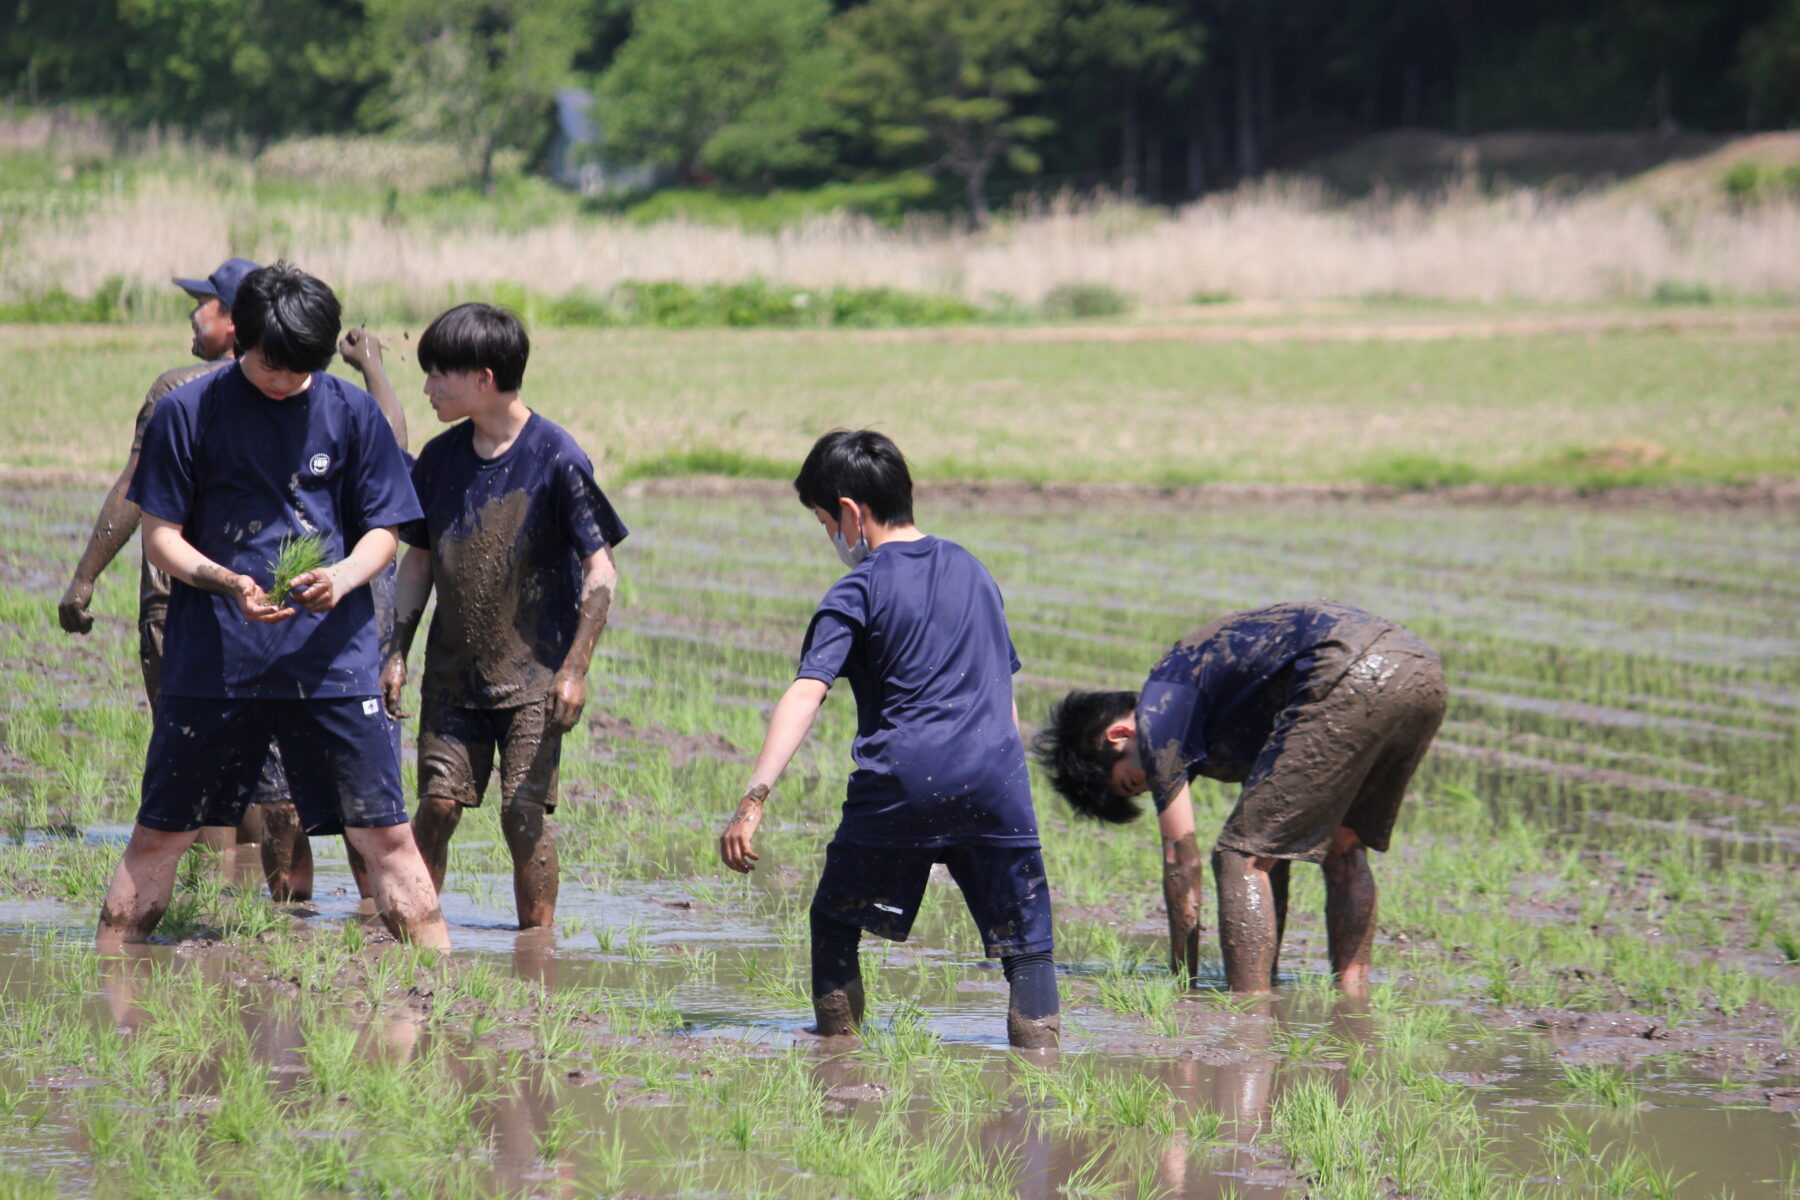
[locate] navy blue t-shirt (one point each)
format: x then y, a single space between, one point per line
239 472
919 630
1209 706
507 535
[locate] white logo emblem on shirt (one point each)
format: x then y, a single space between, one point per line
371 707
320 464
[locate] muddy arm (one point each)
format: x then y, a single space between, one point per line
1182 877
568 689
171 552
412 587
788 728
362 350
117 521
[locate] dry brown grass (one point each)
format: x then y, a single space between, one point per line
1279 241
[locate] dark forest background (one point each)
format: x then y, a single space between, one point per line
1158 99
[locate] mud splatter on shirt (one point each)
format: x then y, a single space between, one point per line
507 535
1210 703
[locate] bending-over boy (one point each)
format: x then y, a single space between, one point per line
919 630
233 465
517 538
1320 710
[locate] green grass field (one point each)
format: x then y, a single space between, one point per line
1665 405
1588 968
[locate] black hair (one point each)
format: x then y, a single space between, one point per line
290 317
1072 749
863 465
473 337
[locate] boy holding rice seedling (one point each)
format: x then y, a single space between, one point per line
517 538
1322 711
260 453
919 630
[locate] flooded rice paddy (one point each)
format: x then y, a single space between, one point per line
1587 975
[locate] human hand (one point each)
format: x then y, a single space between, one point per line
254 604
734 843
317 591
393 679
568 696
72 610
361 348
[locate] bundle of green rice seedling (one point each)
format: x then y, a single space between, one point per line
295 557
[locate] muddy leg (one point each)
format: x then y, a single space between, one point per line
404 896
219 843
1033 1016
837 987
535 867
141 887
250 829
359 870
286 854
432 827
1349 908
1278 884
1247 923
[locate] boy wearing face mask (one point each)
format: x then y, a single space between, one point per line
517 538
919 630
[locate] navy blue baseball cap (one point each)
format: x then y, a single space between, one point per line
222 284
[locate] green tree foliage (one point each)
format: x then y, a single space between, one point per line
736 88
482 74
260 67
1124 49
940 83
1770 55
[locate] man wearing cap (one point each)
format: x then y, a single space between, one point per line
287 859
214 339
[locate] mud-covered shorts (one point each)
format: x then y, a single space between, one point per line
1343 758
457 747
271 784
878 889
208 756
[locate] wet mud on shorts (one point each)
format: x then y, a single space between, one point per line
457 748
1344 758
208 758
878 889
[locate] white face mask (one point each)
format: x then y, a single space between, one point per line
851 555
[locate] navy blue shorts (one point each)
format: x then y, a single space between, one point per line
878 889
207 758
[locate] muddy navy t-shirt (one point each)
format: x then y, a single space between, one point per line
239 472
507 535
1209 706
919 630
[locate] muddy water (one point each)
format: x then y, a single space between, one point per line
1231 1066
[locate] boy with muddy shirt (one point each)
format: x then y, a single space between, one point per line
233 465
919 630
1320 710
517 538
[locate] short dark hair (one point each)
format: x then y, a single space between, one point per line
474 337
863 465
1072 749
289 316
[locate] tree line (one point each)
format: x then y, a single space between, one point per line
1163 99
